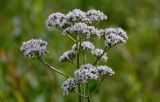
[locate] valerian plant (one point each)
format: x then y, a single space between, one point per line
79 26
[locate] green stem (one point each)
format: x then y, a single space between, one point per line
81 95
99 84
105 50
84 57
45 63
78 55
70 61
71 38
84 88
88 92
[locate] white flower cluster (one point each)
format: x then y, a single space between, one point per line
34 47
68 54
96 15
69 86
56 20
62 21
98 52
115 36
83 29
76 15
87 45
85 73
105 70
78 24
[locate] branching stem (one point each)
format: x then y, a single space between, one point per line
82 95
59 72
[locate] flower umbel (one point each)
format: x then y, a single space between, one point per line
76 16
34 47
105 70
83 30
56 20
85 73
69 86
96 15
115 36
67 56
87 45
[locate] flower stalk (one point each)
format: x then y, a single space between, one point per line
59 72
78 44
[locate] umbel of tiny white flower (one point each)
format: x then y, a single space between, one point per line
87 45
34 47
82 29
76 15
69 86
63 21
96 15
105 70
56 19
68 55
115 36
85 73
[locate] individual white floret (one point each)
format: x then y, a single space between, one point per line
105 70
69 86
115 36
85 73
34 47
87 45
67 56
96 15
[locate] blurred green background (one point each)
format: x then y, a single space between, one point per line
136 63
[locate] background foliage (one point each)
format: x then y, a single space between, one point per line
136 63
